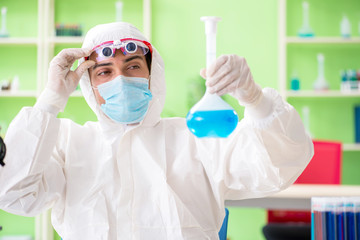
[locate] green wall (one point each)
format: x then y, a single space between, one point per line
248 28
21 17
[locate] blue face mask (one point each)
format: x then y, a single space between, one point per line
126 99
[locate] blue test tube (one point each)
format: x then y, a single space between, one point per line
340 227
330 219
349 220
312 225
357 217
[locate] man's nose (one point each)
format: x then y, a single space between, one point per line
119 71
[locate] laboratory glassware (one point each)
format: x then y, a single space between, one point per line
335 218
345 27
3 31
306 119
211 116
118 12
295 82
321 83
305 30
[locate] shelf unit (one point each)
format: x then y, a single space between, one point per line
320 94
351 147
285 41
9 93
18 41
322 40
45 42
66 40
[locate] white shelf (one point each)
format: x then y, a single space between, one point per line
326 93
18 41
8 93
69 40
351 147
323 40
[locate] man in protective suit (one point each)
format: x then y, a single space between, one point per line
132 174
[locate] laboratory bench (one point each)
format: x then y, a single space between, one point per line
297 196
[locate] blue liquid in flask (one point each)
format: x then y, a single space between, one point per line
212 123
211 116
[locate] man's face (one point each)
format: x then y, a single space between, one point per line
132 65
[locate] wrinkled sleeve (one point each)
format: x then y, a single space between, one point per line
32 178
263 155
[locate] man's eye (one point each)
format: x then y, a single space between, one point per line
103 73
134 67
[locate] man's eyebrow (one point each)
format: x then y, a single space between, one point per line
102 65
132 58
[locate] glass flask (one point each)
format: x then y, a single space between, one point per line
211 116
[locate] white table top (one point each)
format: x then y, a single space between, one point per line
297 196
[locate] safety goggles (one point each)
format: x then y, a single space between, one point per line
2 152
128 46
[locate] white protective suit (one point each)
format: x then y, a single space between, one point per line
156 180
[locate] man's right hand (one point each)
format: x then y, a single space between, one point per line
61 79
